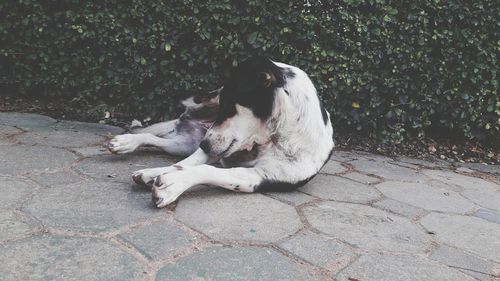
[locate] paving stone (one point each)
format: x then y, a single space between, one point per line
94 128
343 156
20 159
60 139
465 262
14 225
464 170
399 208
238 216
426 197
332 167
319 250
66 258
496 272
485 168
340 189
159 240
463 181
5 142
489 215
120 167
91 151
371 156
401 267
12 192
366 227
355 176
57 178
422 163
387 170
6 131
91 205
294 198
28 121
469 233
488 198
228 263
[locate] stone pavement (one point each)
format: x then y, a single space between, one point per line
70 211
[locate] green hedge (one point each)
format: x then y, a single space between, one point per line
393 69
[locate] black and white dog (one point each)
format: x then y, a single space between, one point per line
266 126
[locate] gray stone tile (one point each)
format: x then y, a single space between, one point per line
238 216
464 170
387 170
355 176
422 163
485 168
6 131
12 192
469 233
120 167
488 198
294 198
56 178
91 206
66 258
319 250
27 121
14 225
366 227
91 151
235 263
60 139
343 156
426 197
399 208
20 159
340 189
93 128
332 167
442 185
399 268
465 262
5 142
489 215
466 182
159 240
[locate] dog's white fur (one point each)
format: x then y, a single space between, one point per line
293 145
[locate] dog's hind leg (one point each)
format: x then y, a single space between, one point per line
179 145
177 137
161 129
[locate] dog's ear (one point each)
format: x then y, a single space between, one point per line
266 78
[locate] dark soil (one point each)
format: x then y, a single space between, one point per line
439 147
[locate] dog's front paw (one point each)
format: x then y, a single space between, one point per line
147 176
168 187
122 144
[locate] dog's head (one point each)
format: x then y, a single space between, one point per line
245 104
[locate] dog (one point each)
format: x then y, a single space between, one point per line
266 126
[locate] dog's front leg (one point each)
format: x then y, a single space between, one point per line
169 186
147 176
